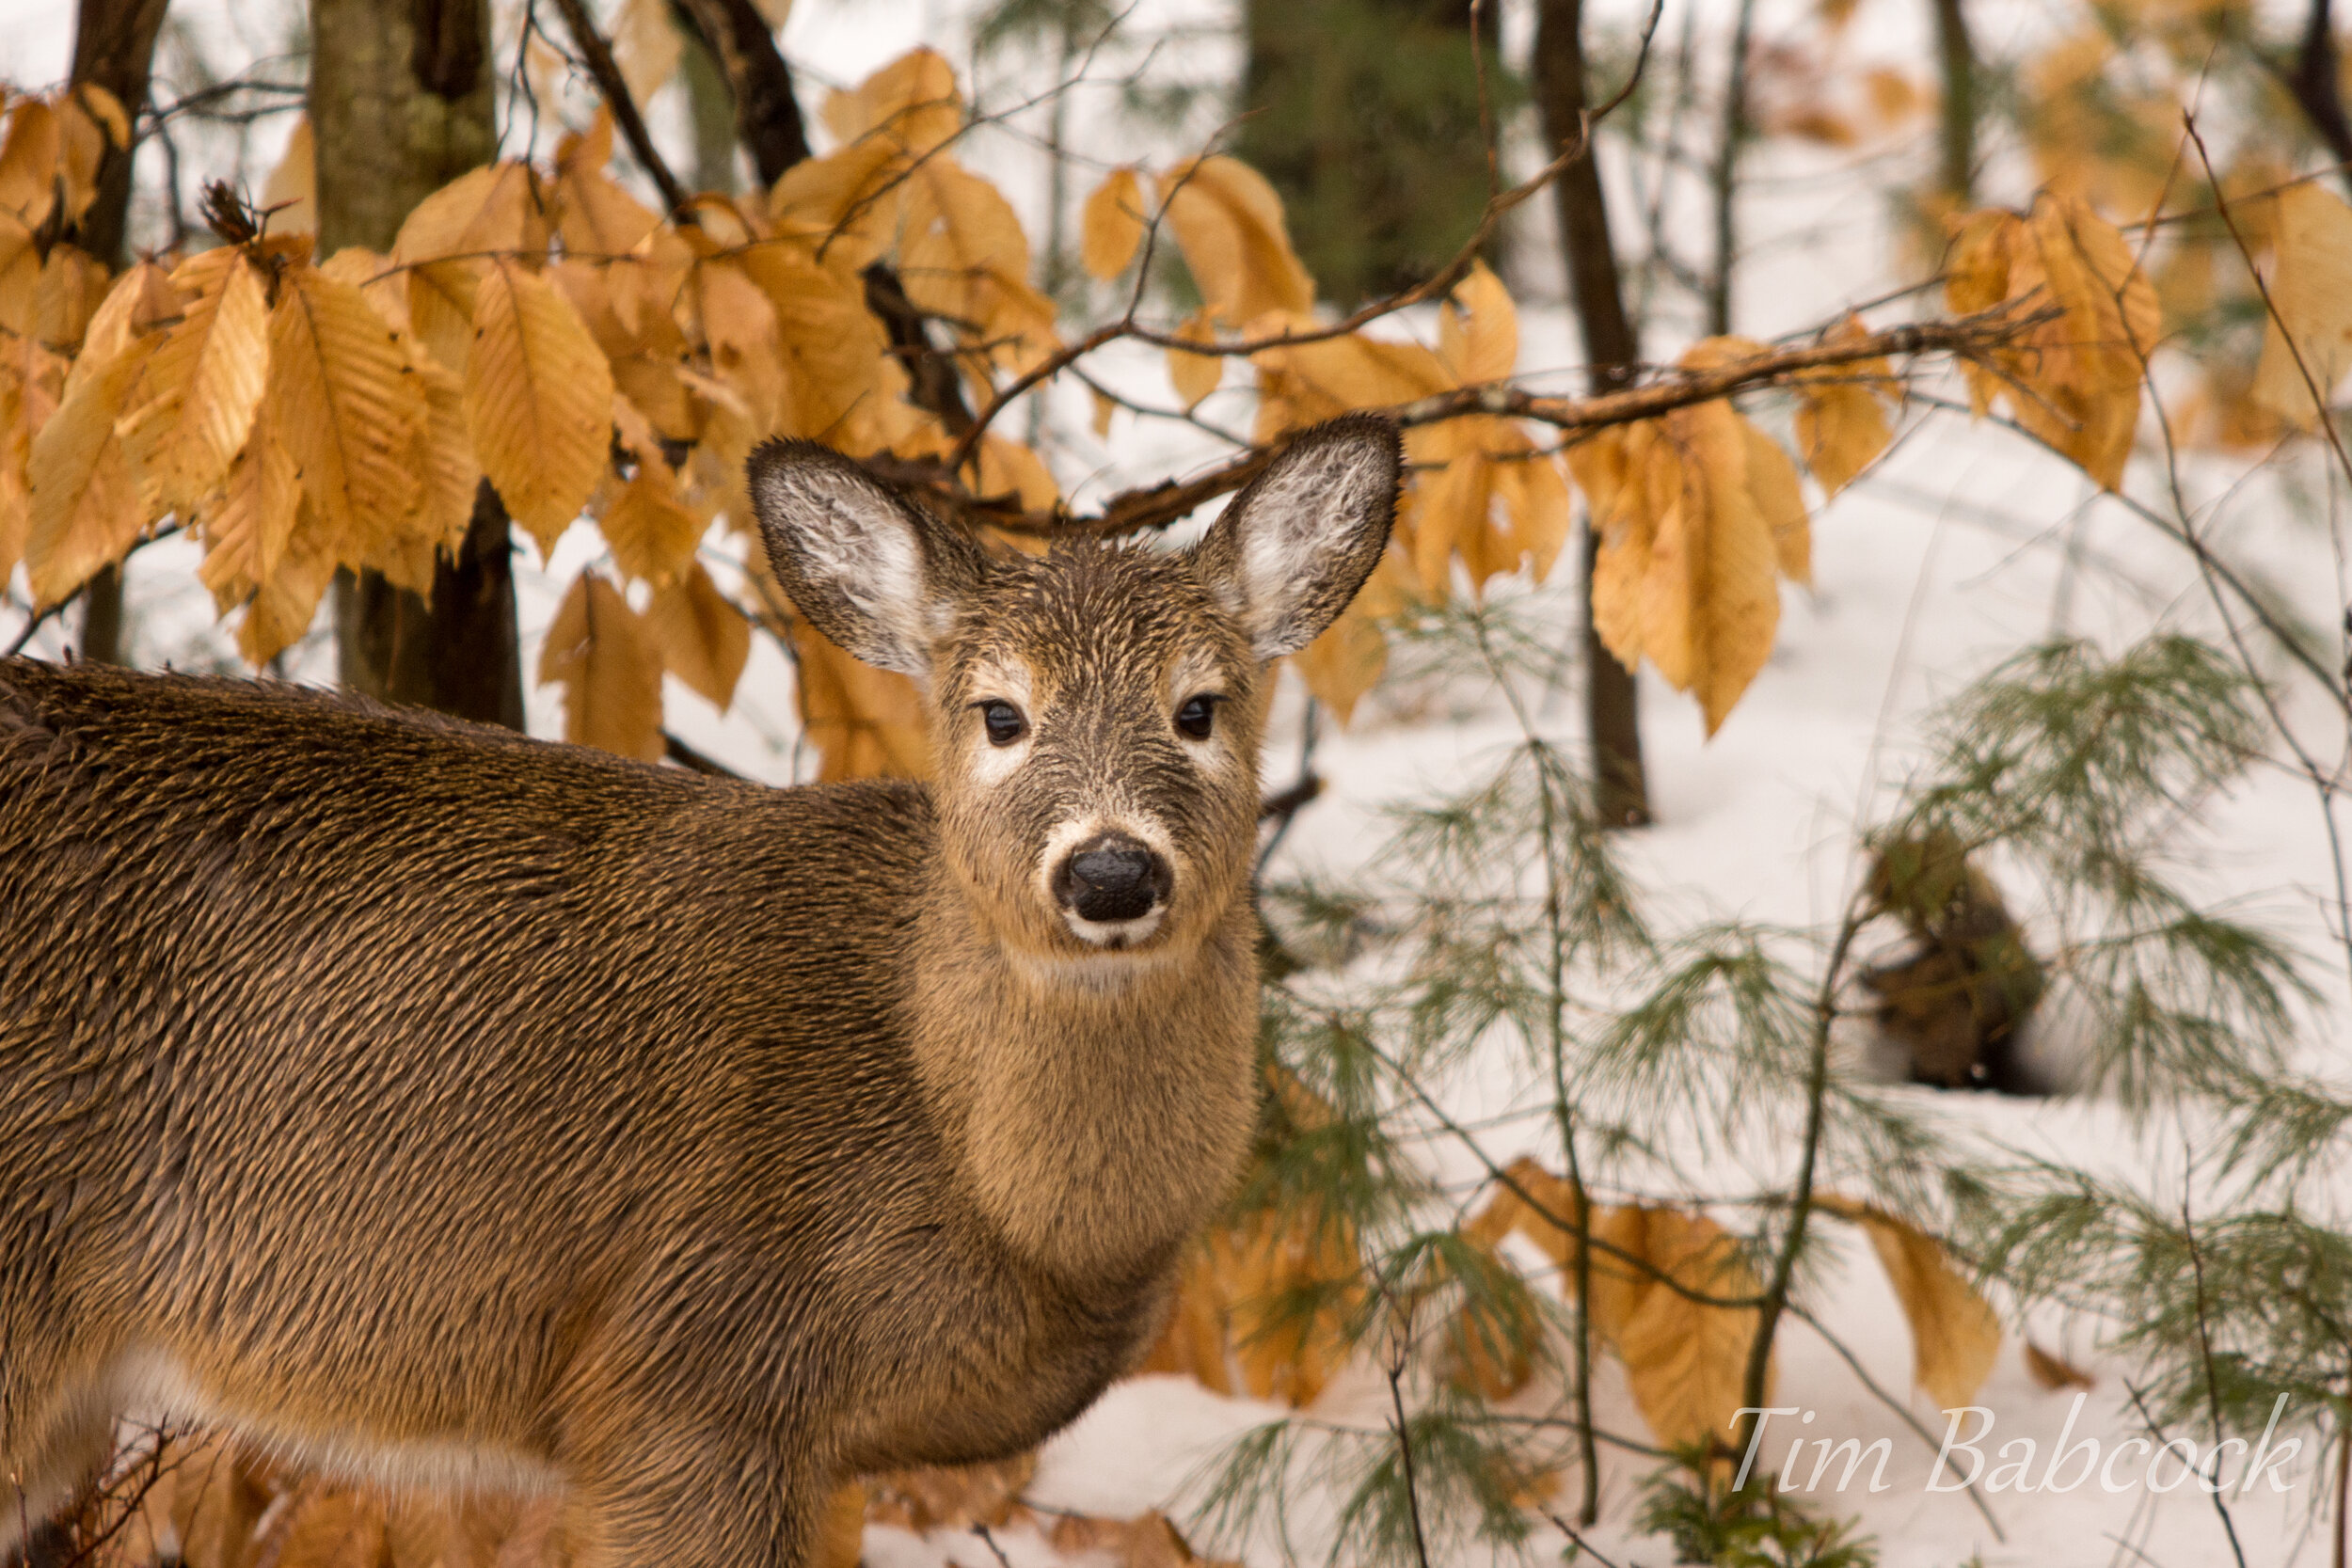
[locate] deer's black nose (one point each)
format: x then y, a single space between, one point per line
1112 877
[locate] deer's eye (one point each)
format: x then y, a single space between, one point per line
1003 722
1198 716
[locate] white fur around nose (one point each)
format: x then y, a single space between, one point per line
1107 934
1304 516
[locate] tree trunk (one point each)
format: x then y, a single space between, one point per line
1726 171
767 115
1364 116
114 47
1620 789
2319 90
710 106
401 101
1958 138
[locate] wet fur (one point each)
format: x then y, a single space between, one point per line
443 1107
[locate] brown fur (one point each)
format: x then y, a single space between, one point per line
1958 999
430 1103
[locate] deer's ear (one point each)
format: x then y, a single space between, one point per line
1295 547
869 569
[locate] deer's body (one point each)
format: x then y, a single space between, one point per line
446 1107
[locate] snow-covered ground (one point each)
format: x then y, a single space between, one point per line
1963 546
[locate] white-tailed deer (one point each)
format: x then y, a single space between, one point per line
435 1105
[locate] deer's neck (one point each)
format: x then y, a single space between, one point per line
1098 1107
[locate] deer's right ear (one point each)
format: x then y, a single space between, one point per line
869 569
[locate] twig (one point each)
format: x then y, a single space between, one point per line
1171 501
43 616
1726 174
1433 287
1285 805
1903 1411
686 757
1576 1539
2205 558
1405 1448
2270 307
988 1539
2204 1349
1801 1192
616 98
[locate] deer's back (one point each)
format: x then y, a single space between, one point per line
381 1020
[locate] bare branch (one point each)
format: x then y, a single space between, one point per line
1171 501
599 54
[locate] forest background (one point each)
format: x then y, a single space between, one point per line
1931 397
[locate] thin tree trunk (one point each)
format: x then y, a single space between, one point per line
711 106
1958 130
114 47
400 99
767 118
1620 789
2319 90
1727 172
767 115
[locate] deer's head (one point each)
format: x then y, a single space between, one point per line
1095 711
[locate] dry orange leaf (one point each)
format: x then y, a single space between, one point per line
66 296
646 47
28 161
248 521
205 384
603 657
703 637
283 605
1195 375
498 206
450 478
1841 420
2311 289
1478 329
1348 659
864 722
2052 1372
598 219
345 408
1685 574
965 259
1685 1360
2072 381
1229 224
290 196
910 104
651 532
85 508
1955 1336
20 273
538 401
1112 228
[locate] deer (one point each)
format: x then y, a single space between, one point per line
444 1108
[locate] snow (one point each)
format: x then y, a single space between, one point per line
1941 561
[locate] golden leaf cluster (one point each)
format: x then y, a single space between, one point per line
1700 515
537 328
1666 1285
2074 380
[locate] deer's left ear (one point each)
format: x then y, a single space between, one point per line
1295 547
